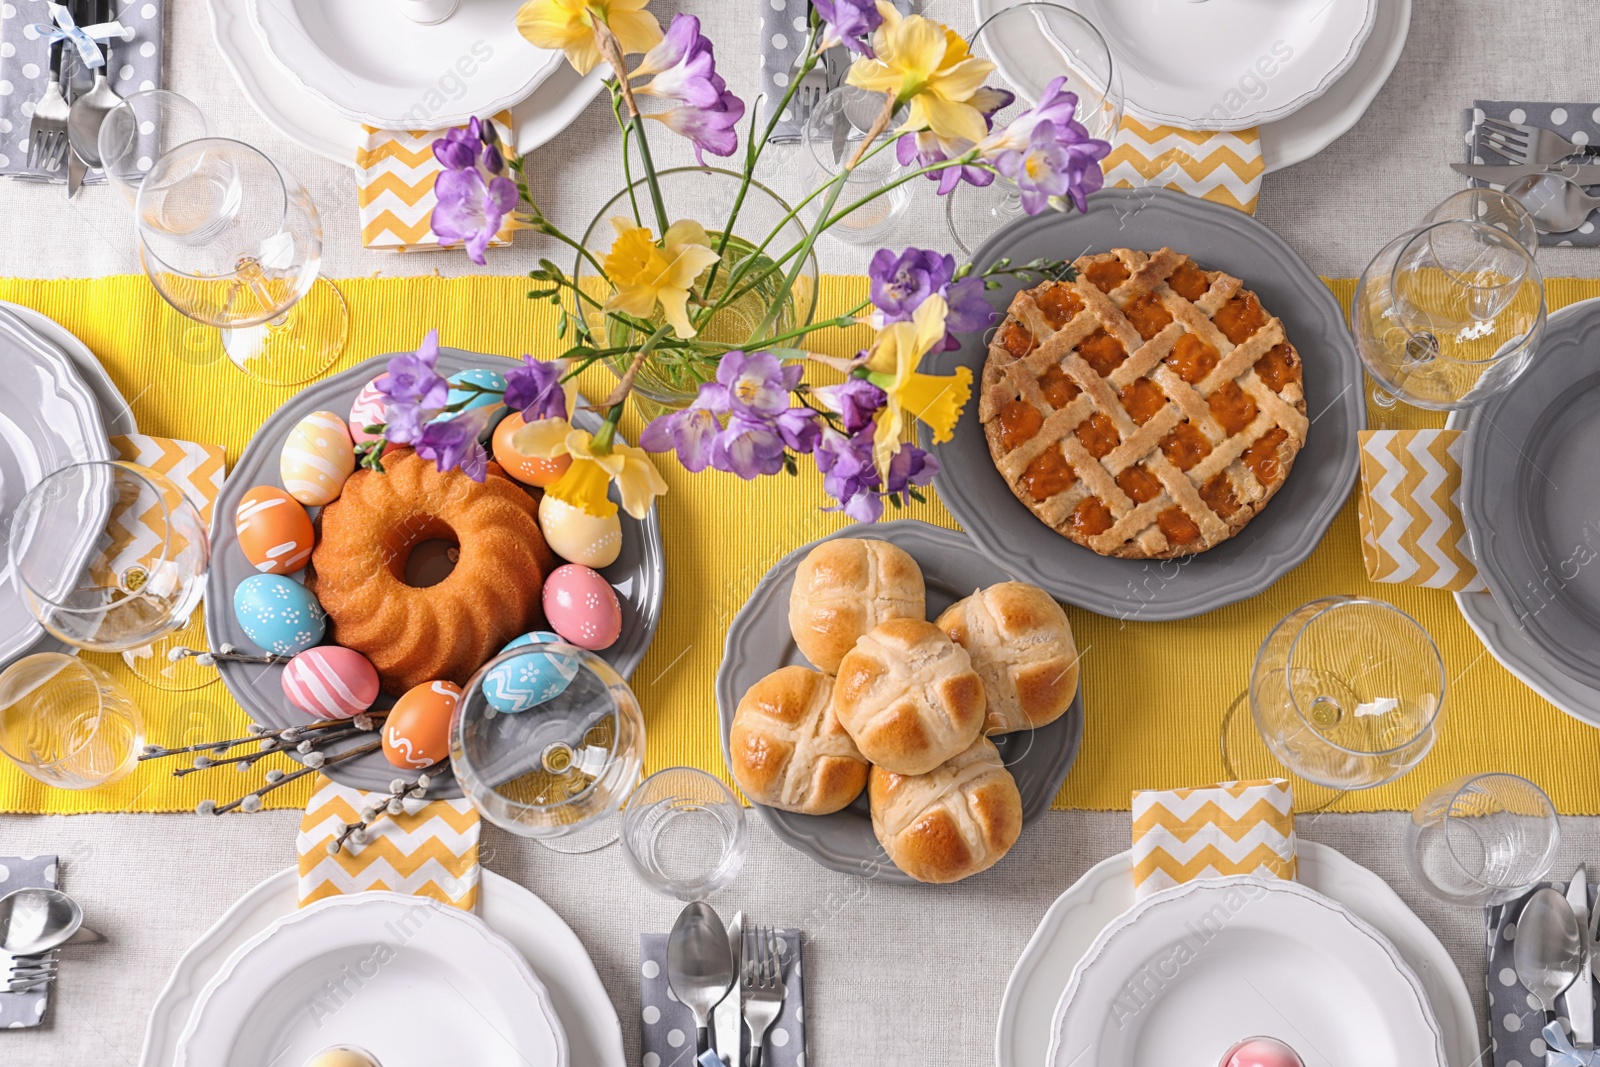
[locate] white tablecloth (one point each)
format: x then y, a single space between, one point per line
895 975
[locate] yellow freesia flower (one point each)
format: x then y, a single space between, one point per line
936 399
646 274
587 483
926 64
568 26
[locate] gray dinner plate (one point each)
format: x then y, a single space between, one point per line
638 575
1530 495
1292 524
759 642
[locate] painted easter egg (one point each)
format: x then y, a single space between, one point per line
330 682
579 537
529 470
279 614
368 410
530 679
317 458
274 531
474 399
582 607
417 732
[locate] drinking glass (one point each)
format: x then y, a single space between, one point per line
232 240
844 117
109 556
68 723
1492 208
558 769
683 833
140 130
1448 315
1347 692
1032 44
1482 839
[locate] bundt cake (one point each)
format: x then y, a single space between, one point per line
441 632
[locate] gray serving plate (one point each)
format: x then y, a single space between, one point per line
638 575
759 643
1530 495
1275 541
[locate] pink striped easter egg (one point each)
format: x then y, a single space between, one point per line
368 410
330 682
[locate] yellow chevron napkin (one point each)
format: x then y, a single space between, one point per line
1180 835
1224 167
395 170
431 850
196 470
1412 532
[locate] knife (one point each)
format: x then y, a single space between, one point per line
1504 174
1580 994
726 1017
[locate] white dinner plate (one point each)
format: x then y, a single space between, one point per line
371 63
314 125
593 1032
1105 891
49 419
1191 970
411 980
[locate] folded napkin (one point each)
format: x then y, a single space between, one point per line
784 26
430 850
395 170
1412 532
1578 123
20 1011
667 1029
195 470
1180 835
1223 166
133 64
1515 1018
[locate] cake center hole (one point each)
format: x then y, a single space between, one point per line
425 552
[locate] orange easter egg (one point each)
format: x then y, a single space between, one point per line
417 732
529 470
274 531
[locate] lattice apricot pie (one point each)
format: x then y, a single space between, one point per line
1147 409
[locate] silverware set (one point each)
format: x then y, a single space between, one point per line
34 924
726 976
1544 174
1554 955
65 128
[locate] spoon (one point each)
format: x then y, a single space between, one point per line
89 111
1557 203
34 921
699 966
1548 952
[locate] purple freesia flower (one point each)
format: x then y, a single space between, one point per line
849 22
798 428
689 432
452 443
910 466
752 392
710 129
535 389
1058 161
925 149
416 391
748 448
753 385
970 310
856 400
683 66
899 285
849 474
474 195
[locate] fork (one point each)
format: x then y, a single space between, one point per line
762 987
1532 145
813 88
47 144
29 974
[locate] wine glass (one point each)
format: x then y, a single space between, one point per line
1032 44
109 556
67 722
843 118
140 130
548 741
232 240
1482 839
1491 207
1348 692
1448 315
683 833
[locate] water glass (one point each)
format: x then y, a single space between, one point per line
1348 692
1482 839
68 723
683 833
140 130
844 118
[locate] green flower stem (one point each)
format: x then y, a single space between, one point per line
835 187
650 176
606 436
842 322
864 201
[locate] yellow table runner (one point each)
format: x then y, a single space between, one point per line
1154 692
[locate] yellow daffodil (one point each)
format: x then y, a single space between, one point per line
924 63
568 26
936 399
587 483
646 274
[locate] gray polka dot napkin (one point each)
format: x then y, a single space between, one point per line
667 1027
19 1011
133 64
1578 123
1515 1017
784 25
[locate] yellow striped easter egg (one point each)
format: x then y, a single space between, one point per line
317 458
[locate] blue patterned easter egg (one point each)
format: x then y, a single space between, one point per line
474 400
526 681
279 614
